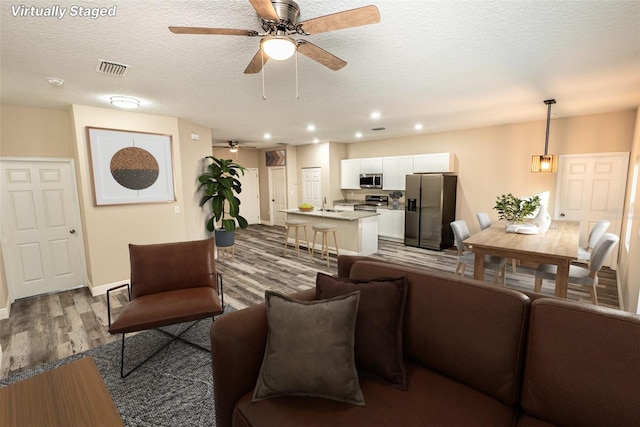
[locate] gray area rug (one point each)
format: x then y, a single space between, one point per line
173 388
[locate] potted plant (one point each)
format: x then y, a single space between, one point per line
219 186
514 209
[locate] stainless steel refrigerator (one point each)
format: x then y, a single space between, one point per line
430 207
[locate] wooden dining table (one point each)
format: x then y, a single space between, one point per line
558 246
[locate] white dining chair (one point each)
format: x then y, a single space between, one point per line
596 233
586 277
485 222
466 257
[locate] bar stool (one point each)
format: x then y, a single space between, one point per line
295 224
325 229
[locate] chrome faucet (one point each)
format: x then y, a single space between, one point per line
324 201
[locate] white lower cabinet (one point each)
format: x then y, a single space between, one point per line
391 224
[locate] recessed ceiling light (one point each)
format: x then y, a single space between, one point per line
418 126
316 140
375 115
358 134
124 102
55 81
311 127
267 136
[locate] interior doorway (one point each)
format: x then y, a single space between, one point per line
42 246
277 195
250 196
312 186
591 187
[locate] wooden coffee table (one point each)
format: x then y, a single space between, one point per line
70 395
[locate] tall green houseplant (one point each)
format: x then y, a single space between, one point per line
219 186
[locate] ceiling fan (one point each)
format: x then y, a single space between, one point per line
232 145
280 21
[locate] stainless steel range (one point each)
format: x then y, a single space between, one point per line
371 203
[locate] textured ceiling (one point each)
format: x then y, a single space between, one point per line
445 64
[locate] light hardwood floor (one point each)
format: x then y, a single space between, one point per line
50 327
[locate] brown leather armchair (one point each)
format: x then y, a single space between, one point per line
171 283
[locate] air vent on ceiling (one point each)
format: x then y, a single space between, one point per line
377 129
112 68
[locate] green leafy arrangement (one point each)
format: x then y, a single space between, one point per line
220 184
512 208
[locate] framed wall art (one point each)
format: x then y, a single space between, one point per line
130 167
276 158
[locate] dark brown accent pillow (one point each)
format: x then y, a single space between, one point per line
379 323
310 349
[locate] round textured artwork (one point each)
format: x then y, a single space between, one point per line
134 168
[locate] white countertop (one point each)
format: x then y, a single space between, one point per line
342 215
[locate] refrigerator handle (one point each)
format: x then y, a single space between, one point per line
412 205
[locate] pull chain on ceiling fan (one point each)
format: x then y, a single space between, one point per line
279 20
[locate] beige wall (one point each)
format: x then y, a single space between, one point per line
192 154
108 230
629 267
35 132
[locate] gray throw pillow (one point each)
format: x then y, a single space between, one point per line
310 349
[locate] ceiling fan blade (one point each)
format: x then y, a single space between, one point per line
206 30
320 55
338 21
256 63
265 9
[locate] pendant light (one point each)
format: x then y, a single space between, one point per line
545 162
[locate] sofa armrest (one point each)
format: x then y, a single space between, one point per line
238 341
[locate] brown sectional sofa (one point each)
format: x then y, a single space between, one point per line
475 355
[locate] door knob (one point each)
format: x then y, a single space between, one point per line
562 214
72 231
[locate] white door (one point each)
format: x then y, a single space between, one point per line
42 241
591 187
277 195
250 196
312 186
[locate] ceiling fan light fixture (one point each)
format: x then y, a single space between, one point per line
278 47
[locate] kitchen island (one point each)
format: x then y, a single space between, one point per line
356 231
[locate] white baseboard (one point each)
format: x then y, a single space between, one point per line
4 313
102 289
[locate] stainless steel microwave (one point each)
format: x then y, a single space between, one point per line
370 180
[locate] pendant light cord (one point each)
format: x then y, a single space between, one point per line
546 140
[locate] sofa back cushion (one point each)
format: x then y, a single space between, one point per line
582 366
464 329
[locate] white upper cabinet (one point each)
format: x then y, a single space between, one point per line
394 171
436 162
371 165
350 174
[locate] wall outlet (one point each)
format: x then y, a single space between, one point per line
176 209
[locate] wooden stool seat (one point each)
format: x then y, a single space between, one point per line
325 229
296 224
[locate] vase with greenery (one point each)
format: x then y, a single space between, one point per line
514 209
219 186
